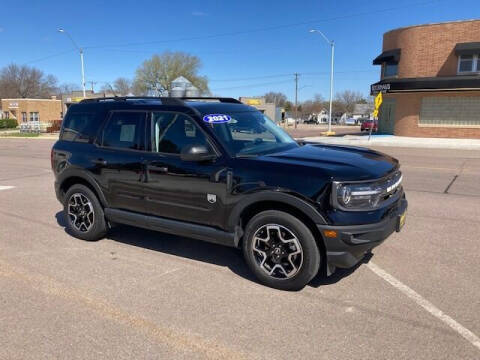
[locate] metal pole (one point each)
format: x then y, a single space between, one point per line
331 88
83 73
296 95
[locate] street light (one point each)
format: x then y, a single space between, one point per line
63 31
332 45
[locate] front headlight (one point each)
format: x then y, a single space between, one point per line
358 196
366 196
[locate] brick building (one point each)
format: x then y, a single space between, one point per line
24 110
430 76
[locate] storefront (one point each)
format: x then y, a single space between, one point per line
430 77
44 111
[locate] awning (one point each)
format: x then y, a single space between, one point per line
427 84
470 48
388 56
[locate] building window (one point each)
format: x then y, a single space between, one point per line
450 111
390 69
6 114
34 116
468 63
24 117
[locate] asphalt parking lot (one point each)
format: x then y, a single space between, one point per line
140 294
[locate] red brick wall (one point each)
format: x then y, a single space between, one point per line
407 115
428 50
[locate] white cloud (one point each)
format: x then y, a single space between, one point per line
199 13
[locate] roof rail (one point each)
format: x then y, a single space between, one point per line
220 99
163 100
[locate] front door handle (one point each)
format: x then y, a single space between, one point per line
100 162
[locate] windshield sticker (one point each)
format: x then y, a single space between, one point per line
216 118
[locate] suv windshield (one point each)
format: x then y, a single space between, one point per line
252 133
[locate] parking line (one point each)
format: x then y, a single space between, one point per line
427 305
2 187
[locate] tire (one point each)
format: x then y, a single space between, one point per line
271 230
82 204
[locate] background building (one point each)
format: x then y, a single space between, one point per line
77 96
27 110
430 75
269 109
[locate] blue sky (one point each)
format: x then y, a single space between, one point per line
246 47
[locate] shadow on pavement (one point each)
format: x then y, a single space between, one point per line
200 251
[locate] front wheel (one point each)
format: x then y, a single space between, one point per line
281 250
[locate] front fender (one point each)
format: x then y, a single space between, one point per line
276 196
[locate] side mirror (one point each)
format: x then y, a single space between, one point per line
196 152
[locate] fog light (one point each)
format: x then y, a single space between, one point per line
330 233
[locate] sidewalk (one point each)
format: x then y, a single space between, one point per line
398 141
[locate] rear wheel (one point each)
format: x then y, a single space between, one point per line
281 250
84 213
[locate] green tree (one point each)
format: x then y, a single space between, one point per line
157 73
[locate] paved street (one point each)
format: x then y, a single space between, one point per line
140 294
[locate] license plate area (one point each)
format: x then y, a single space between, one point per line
401 221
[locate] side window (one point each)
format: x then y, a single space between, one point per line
173 131
78 127
125 130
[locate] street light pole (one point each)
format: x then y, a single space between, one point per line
81 58
332 45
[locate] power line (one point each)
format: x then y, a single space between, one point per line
253 85
271 28
49 56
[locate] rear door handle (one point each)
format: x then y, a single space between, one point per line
161 169
100 162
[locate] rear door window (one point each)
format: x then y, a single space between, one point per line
125 130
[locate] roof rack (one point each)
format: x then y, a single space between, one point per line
163 100
220 99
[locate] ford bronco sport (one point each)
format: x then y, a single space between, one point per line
217 170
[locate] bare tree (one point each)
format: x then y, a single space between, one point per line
122 86
157 73
67 88
25 82
347 99
276 97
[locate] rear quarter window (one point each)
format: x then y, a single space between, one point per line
79 127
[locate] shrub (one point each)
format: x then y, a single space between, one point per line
8 123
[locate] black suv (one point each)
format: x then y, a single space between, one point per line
188 166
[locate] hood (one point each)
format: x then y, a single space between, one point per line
343 163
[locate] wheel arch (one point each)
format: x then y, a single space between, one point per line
79 178
282 202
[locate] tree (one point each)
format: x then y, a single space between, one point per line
157 73
67 88
348 99
122 86
25 82
278 98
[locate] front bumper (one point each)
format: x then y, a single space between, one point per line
351 243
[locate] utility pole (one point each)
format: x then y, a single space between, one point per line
296 99
92 83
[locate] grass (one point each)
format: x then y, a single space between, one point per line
19 134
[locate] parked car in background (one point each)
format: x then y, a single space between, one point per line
367 124
351 121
